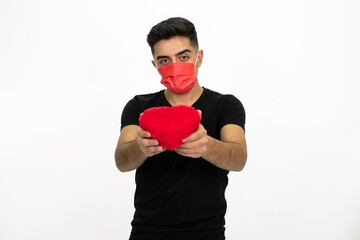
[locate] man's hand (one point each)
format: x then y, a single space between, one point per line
194 145
148 146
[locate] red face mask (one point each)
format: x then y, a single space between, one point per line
178 77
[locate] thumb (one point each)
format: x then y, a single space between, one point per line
200 113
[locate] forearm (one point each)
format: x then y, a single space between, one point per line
128 156
226 155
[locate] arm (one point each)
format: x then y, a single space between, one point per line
134 147
229 153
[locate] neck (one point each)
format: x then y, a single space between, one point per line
187 99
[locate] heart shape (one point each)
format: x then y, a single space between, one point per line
170 125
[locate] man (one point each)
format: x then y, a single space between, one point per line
180 194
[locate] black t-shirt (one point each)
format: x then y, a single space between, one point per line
179 197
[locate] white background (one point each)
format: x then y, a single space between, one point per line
67 68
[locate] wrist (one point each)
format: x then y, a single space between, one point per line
209 147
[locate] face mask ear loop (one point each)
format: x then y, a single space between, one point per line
197 57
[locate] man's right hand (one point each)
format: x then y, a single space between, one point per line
148 146
134 147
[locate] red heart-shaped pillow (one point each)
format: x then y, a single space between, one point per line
170 125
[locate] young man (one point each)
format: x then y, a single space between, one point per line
180 194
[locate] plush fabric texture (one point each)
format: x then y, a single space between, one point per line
170 125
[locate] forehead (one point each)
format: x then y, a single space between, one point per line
172 46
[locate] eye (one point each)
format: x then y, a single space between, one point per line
184 58
164 61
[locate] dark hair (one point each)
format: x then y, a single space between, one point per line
172 27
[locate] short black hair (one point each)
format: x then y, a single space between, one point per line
172 27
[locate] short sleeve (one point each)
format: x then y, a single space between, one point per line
231 112
131 113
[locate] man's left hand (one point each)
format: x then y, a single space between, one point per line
194 145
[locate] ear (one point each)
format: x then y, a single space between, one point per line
153 62
200 58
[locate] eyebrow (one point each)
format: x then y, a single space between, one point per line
179 53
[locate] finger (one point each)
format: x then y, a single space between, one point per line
199 133
191 138
186 146
151 151
143 133
155 150
150 147
200 113
195 146
150 142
